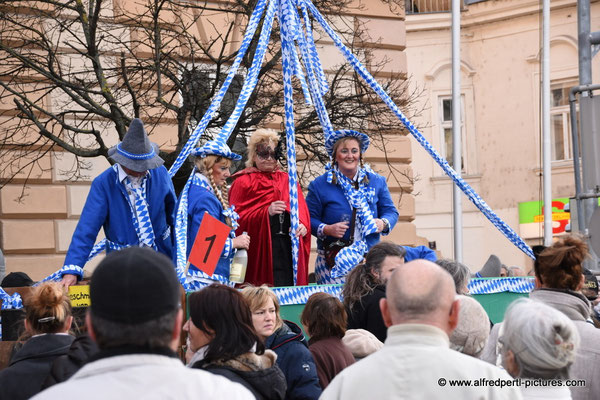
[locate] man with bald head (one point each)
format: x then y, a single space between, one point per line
420 311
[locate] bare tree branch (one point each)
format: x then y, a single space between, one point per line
78 71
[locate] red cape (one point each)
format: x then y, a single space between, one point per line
252 192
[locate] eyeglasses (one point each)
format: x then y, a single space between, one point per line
266 154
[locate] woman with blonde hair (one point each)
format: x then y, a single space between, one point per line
287 340
48 319
260 194
206 192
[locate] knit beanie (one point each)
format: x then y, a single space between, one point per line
473 329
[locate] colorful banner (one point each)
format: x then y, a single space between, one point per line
531 218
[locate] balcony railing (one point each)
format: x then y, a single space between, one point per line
435 6
428 6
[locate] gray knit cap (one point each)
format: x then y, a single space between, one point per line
136 152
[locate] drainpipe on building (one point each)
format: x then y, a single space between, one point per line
590 131
547 147
456 130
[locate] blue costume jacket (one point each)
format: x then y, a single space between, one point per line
201 200
107 206
327 203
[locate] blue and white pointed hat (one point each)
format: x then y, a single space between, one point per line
216 148
333 137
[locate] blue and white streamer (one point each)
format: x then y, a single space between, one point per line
252 78
464 186
288 94
197 279
297 28
216 101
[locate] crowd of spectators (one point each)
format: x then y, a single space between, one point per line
237 345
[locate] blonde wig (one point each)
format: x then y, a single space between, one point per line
204 166
268 136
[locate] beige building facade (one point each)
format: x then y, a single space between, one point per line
36 229
501 119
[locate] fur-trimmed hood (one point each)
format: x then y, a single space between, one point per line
258 373
248 362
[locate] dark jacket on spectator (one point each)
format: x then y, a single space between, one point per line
29 367
365 314
331 357
257 373
65 366
296 362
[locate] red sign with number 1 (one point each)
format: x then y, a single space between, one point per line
209 244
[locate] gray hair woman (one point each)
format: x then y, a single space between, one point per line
461 274
538 342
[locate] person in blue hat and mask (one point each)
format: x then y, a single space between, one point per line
134 201
207 192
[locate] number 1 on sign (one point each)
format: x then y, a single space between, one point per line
208 244
210 239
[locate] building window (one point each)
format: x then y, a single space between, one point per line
445 112
560 121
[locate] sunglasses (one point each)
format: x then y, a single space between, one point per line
266 154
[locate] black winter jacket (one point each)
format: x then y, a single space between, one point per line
366 314
65 366
29 367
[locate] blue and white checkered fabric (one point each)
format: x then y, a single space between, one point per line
499 285
314 71
10 302
314 62
464 186
217 148
299 294
350 256
333 137
141 216
322 272
58 275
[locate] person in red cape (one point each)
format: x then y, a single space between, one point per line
260 193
